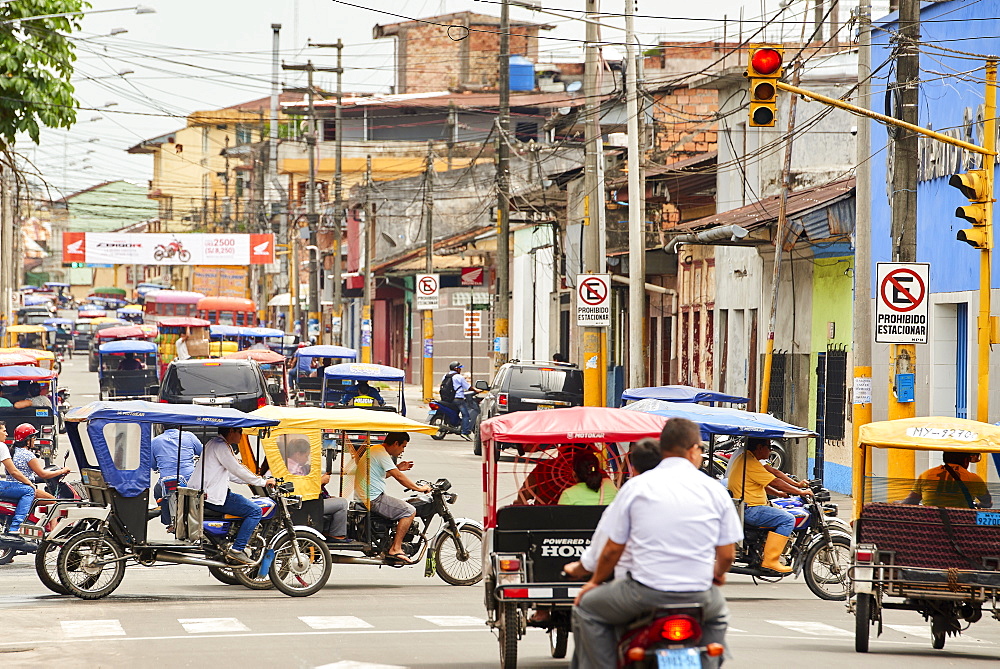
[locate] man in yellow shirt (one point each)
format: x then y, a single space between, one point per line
747 481
951 484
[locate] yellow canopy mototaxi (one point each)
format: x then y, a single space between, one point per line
309 443
927 534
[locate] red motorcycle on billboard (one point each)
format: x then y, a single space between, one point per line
174 248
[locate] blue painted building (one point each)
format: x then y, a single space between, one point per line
951 102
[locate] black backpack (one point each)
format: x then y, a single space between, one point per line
447 389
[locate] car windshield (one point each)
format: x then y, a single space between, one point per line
547 379
84 327
211 379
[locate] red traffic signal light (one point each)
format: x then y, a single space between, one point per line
765 61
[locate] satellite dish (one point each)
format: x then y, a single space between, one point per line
574 86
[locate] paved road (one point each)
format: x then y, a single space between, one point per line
368 617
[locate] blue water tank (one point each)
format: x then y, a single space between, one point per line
522 74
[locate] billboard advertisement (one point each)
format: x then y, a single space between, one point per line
220 281
152 248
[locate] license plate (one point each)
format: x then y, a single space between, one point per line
545 406
212 400
678 658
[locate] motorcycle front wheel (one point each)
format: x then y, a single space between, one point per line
223 575
826 569
302 575
450 566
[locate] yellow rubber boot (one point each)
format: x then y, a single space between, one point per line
772 553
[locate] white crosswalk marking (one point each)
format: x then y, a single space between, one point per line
351 664
79 629
811 628
737 630
208 625
924 632
334 622
453 621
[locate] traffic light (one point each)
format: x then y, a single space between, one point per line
974 186
763 71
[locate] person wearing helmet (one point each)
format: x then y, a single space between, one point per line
16 487
27 463
460 387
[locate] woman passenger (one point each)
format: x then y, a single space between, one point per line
594 487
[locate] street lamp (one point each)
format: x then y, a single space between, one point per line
139 9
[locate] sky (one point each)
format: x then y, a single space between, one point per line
206 54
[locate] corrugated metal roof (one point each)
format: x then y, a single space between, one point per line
820 213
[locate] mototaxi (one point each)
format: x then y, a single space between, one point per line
338 440
340 386
43 418
127 384
819 548
273 366
111 444
942 562
223 339
527 463
307 385
29 336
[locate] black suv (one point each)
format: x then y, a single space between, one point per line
236 384
529 386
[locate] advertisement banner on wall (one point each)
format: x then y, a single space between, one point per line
150 248
220 281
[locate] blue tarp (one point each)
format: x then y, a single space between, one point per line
223 330
56 284
21 372
718 420
34 300
127 346
57 321
361 370
307 353
680 394
261 332
139 411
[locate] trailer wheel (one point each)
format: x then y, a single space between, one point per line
862 621
937 640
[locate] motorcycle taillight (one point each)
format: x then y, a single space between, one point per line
677 628
433 405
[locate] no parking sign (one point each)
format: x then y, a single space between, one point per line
902 291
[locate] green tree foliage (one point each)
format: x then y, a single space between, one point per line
36 62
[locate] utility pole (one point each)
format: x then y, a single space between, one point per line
276 193
369 294
312 215
593 340
984 321
779 243
7 247
501 324
861 346
427 376
636 212
338 198
902 463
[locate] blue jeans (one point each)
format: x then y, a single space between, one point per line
24 494
238 505
770 516
466 408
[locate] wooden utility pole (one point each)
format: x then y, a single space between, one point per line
312 213
338 198
427 375
902 464
501 323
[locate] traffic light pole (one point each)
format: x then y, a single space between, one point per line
984 334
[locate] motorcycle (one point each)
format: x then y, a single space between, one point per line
819 547
726 446
667 637
170 250
448 417
58 488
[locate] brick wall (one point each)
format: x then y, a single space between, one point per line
432 61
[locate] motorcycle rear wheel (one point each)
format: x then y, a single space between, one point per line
247 577
439 435
862 621
223 575
77 572
450 567
46 558
300 580
6 554
818 572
